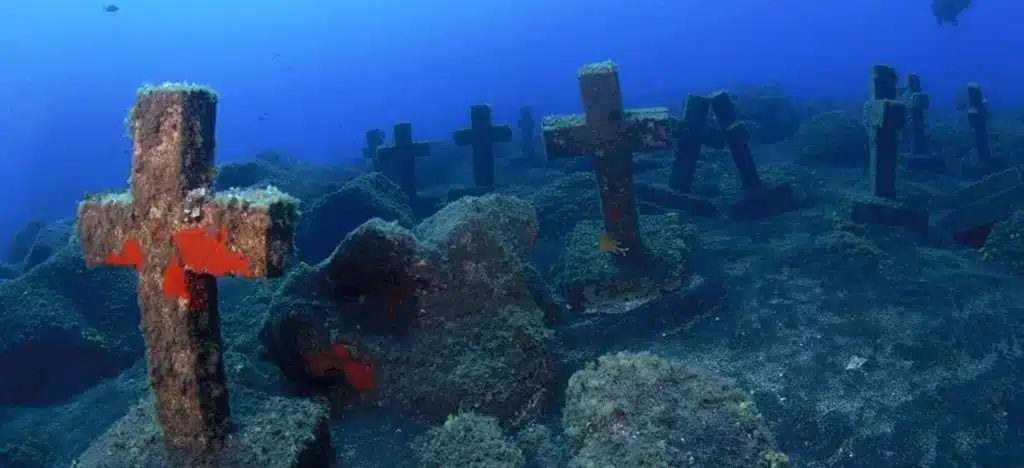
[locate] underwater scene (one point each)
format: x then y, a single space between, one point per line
512 234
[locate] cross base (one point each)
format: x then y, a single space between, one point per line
923 163
271 431
766 202
885 212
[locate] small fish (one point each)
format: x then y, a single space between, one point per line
338 362
111 8
607 243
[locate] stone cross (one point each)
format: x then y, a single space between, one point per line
977 117
481 136
758 200
399 158
374 138
527 130
180 236
611 134
884 118
917 104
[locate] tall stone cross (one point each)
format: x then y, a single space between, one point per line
180 236
977 118
374 138
527 129
884 119
611 134
481 136
399 158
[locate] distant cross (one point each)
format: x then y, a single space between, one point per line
482 135
917 104
977 118
611 135
399 158
527 130
374 138
180 236
884 119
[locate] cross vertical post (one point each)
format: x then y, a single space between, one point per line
374 138
977 117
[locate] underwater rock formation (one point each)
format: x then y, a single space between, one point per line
433 321
330 218
64 328
469 440
632 410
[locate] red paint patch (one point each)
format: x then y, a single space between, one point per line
204 252
176 280
201 251
130 255
359 373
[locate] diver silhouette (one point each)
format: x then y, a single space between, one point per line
946 11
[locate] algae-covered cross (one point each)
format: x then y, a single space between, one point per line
481 136
180 236
611 134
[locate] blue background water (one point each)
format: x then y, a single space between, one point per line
310 76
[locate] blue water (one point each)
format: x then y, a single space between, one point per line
310 76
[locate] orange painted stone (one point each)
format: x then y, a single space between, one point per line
130 255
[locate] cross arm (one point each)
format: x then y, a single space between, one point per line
501 133
464 137
244 233
643 130
105 225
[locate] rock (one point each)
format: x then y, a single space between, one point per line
23 240
469 440
444 315
565 202
1005 243
541 447
64 327
834 138
332 217
770 110
8 272
593 280
269 431
50 239
641 410
307 182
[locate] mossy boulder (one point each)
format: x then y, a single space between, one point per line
448 314
1005 243
595 280
329 219
64 327
632 410
469 441
307 182
835 138
565 202
23 239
